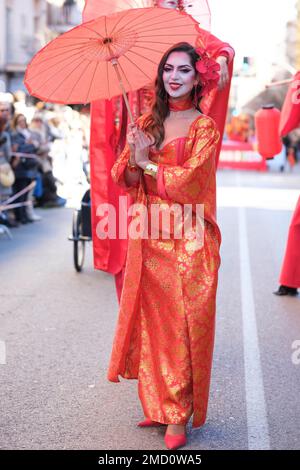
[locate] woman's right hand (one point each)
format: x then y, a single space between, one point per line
137 139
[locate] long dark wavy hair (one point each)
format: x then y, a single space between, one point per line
154 123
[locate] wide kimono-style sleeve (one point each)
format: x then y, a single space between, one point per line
214 46
187 184
119 167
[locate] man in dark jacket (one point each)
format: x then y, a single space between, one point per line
25 168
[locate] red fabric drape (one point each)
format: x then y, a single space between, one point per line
290 271
109 254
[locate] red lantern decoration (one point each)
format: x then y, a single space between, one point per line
267 122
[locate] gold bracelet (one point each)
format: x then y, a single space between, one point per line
151 169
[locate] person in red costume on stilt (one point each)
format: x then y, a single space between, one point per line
215 103
290 271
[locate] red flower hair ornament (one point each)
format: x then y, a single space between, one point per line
208 70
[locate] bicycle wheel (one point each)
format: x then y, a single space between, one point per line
79 245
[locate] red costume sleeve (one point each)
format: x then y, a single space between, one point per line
214 46
215 104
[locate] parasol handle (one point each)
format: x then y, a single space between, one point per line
114 63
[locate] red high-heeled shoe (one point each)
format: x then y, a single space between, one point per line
175 441
148 422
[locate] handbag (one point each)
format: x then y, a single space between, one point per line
7 176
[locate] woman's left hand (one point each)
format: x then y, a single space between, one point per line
141 159
224 73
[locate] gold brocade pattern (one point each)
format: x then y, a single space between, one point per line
166 324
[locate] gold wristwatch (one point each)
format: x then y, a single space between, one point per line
151 169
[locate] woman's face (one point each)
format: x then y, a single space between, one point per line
168 3
22 122
179 76
37 123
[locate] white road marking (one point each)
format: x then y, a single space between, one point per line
2 353
257 423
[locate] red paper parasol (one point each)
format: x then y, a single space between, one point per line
99 58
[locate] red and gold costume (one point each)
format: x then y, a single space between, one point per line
165 329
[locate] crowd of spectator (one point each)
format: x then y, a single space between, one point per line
28 134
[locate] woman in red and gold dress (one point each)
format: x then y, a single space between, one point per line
165 329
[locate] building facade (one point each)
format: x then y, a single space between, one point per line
25 27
